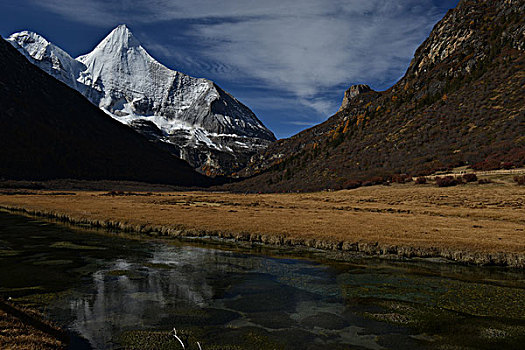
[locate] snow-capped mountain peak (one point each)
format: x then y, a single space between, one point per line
116 43
121 36
194 115
50 58
36 45
124 71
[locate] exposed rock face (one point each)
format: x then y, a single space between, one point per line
470 35
352 92
461 102
197 117
463 32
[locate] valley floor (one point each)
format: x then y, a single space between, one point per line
472 223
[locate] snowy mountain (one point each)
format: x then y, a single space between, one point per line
50 58
191 117
49 131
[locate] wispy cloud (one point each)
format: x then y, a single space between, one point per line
307 49
301 123
192 59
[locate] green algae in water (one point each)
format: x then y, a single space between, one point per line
157 266
199 317
381 285
484 300
139 340
53 262
468 297
447 311
41 299
441 326
8 252
126 273
273 320
31 289
248 339
71 245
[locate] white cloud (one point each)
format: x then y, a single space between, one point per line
303 48
99 12
301 123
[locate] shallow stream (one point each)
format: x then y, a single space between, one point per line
114 291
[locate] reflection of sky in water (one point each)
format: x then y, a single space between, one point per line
129 294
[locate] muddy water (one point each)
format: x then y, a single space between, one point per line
119 292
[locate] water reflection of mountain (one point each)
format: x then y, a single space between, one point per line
129 294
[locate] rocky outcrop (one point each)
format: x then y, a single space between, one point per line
467 38
352 92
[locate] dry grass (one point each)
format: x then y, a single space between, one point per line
474 218
21 334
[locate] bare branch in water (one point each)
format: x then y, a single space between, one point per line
176 337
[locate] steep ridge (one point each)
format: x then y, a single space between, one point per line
461 102
50 131
191 117
50 58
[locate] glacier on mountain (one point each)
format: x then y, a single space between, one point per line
191 117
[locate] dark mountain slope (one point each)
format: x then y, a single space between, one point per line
49 131
462 101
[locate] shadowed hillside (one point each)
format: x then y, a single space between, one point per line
49 131
461 102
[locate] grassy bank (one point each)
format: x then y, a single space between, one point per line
478 224
24 328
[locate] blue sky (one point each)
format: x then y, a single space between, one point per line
290 61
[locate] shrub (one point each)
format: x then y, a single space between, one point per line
351 184
446 181
398 179
376 180
520 180
487 164
470 177
484 181
421 180
401 178
115 193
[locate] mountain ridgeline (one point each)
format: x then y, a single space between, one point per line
192 118
50 131
461 102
